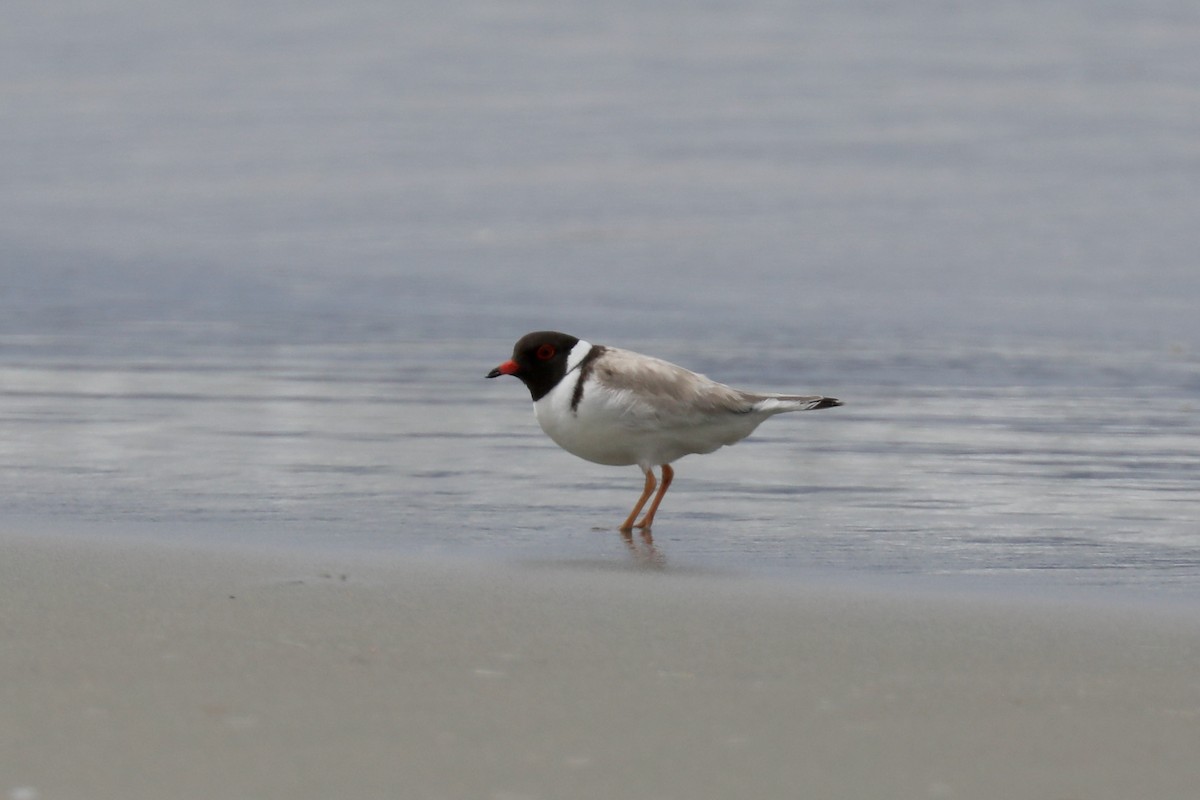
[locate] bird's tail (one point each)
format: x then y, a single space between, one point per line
779 403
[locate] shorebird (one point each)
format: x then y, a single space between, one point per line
617 407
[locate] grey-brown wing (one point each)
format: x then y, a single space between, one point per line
653 389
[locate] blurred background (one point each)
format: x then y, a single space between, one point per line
307 172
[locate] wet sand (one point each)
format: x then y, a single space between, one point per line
140 670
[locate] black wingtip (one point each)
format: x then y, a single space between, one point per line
828 402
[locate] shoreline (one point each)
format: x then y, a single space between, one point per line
1070 588
143 670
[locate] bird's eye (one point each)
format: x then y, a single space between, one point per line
545 352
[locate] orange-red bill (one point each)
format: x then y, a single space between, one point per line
507 368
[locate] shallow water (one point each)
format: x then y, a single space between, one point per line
409 447
256 261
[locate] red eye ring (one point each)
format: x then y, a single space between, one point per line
545 352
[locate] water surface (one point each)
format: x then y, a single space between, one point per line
256 260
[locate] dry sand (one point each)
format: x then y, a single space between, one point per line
138 670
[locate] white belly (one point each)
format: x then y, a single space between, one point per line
606 428
597 437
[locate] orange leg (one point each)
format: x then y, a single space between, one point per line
668 475
627 525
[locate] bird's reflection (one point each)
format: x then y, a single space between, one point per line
641 547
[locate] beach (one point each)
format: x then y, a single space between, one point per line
140 669
267 532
